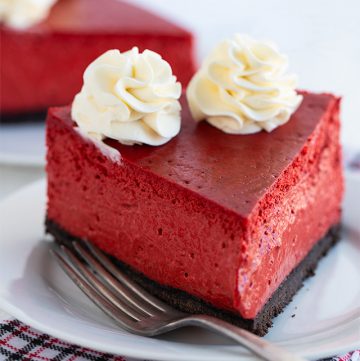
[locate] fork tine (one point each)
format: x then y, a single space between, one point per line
106 306
125 280
117 287
99 286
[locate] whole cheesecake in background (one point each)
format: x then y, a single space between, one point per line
224 224
42 65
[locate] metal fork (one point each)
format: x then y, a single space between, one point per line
138 312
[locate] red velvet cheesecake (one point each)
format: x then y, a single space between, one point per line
211 222
42 65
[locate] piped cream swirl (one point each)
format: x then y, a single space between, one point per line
131 97
21 14
242 87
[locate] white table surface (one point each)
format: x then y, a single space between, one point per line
13 178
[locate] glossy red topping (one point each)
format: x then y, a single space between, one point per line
223 217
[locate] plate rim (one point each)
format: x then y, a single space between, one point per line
22 161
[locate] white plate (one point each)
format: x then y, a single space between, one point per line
35 290
23 143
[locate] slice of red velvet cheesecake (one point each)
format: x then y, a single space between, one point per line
42 65
211 222
236 224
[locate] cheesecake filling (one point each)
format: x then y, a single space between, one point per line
296 213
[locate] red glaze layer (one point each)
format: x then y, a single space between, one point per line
58 50
223 217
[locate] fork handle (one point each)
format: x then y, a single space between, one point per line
256 344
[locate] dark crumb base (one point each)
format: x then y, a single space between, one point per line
22 118
188 303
